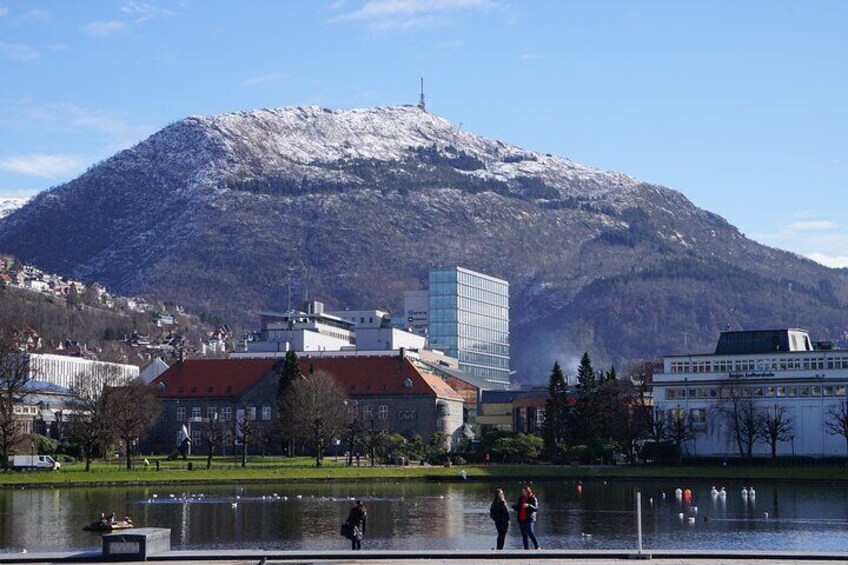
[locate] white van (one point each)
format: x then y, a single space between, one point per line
33 462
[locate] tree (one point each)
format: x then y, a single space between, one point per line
679 429
776 426
836 421
248 432
90 427
555 425
132 407
741 414
287 373
215 435
14 376
373 439
317 409
353 435
586 414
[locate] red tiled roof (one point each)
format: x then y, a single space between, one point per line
365 375
211 378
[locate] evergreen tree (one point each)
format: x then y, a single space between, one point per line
586 428
287 373
555 425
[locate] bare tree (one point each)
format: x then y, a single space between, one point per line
132 407
777 425
316 406
353 435
741 414
14 376
215 435
679 429
373 439
248 432
90 427
836 421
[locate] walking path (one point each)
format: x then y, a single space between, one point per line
250 557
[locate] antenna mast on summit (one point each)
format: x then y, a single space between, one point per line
421 105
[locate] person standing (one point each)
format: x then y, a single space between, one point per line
527 508
499 512
357 518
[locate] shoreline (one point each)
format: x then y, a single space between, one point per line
639 473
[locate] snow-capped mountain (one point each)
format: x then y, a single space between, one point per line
220 212
9 205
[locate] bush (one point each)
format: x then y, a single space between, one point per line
43 444
579 454
662 452
459 460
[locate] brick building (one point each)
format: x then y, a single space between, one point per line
387 389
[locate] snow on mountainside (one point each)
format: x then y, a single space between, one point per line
9 205
354 206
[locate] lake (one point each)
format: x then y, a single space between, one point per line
423 514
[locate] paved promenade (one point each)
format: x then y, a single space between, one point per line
450 558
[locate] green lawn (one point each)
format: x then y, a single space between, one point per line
302 469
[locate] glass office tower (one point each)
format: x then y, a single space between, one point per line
469 320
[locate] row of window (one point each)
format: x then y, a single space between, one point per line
802 391
25 410
225 414
464 330
466 344
819 362
484 359
482 295
482 282
493 310
483 321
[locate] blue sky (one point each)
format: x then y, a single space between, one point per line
739 105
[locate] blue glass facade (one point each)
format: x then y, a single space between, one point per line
469 320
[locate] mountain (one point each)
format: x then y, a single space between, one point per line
9 205
220 213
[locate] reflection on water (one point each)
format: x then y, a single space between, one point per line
435 515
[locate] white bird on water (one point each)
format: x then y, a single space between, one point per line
464 475
744 492
722 493
713 491
752 492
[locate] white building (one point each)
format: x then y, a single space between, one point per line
416 311
769 368
312 330
62 370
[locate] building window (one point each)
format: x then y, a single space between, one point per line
368 412
266 413
196 436
226 413
698 416
210 412
195 412
164 417
251 413
406 414
181 411
383 412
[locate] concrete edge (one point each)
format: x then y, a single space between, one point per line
456 555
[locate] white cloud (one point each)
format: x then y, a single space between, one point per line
143 11
59 118
834 261
3 10
815 225
35 15
410 14
263 79
18 52
104 30
43 165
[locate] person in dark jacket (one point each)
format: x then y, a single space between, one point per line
527 508
499 512
357 518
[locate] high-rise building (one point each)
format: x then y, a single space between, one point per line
469 320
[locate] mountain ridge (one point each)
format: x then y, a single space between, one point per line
220 212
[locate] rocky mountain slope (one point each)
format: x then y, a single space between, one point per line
218 213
